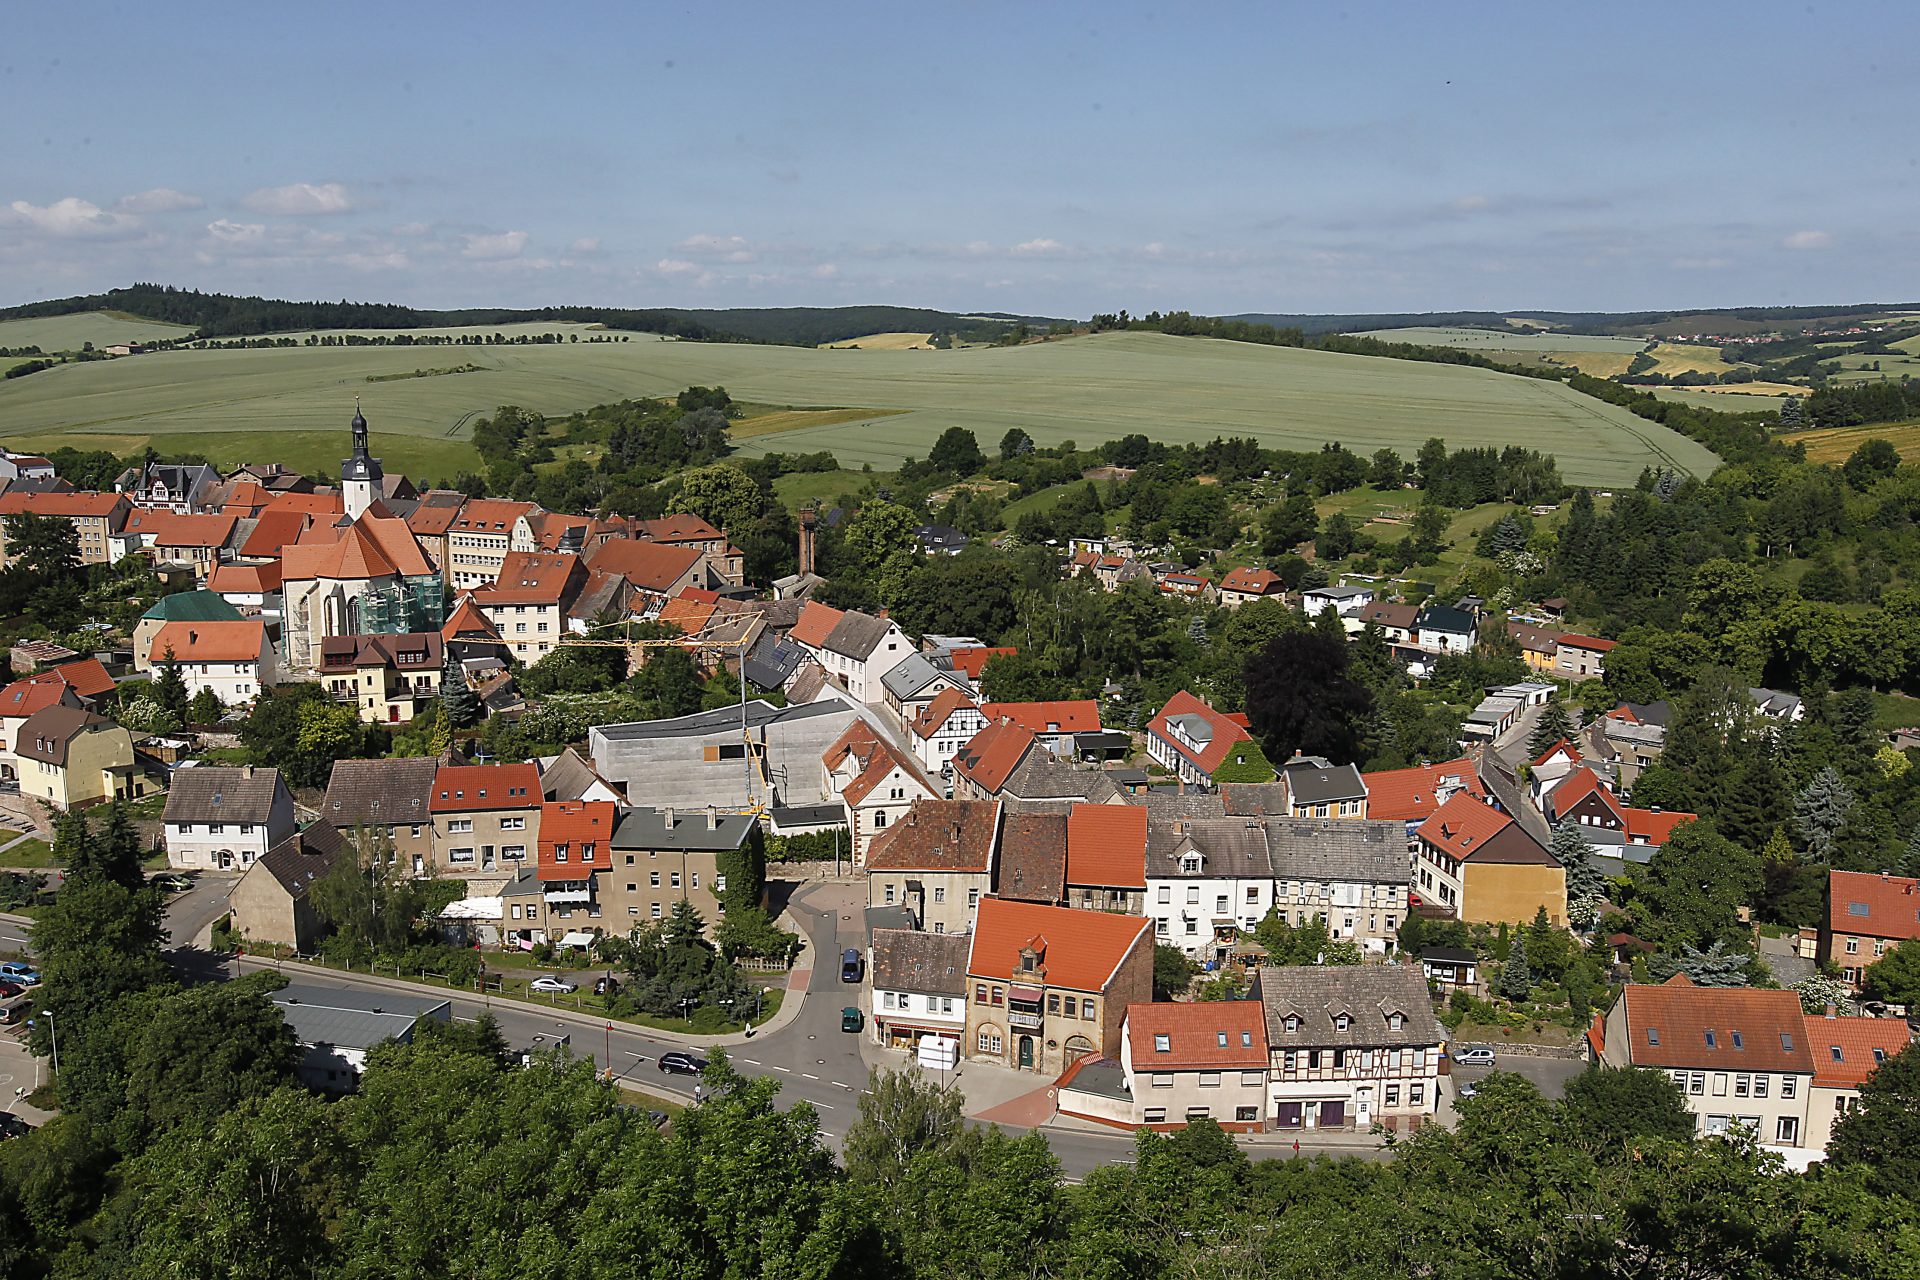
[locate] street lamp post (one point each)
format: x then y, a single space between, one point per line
53 1029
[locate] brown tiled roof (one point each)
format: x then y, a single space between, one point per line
1079 950
989 756
210 641
468 788
938 835
1107 845
534 577
416 651
489 515
909 960
1368 995
305 856
1227 730
46 734
1078 716
223 793
1846 1050
875 757
379 792
1033 858
1678 1024
936 713
649 566
1197 1035
815 623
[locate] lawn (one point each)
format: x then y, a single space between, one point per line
1083 389
827 488
70 333
31 852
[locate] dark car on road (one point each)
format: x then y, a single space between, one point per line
682 1064
607 986
850 966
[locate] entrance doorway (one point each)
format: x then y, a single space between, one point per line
1026 1053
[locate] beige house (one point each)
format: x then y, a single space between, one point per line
1193 1061
271 903
220 817
1051 985
234 659
388 679
938 861
919 983
96 518
527 602
1350 1046
486 817
479 538
875 781
390 798
72 758
1845 1052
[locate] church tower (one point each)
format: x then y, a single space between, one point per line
360 475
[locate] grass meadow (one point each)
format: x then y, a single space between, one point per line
70 333
292 404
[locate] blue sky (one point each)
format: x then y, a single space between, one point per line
1048 159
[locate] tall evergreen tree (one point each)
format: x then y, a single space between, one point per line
1516 978
458 704
1821 810
1553 725
1586 887
170 687
1756 801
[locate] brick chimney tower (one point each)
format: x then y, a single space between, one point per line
807 518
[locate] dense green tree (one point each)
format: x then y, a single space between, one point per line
1821 811
1895 977
1882 1134
1516 975
1609 1111
1016 443
459 704
670 683
1288 524
1172 972
957 452
1553 725
169 687
723 495
1300 698
877 531
1694 888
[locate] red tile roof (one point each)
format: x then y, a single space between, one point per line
1462 826
272 531
939 711
874 759
1107 845
1079 716
973 660
1227 730
70 505
1678 1024
432 521
88 678
489 515
1644 826
1573 753
815 624
244 579
680 527
1873 906
585 828
461 788
1411 795
1199 1035
533 577
1251 580
467 620
210 641
1577 786
1846 1050
991 755
330 503
650 566
1593 643
550 529
171 529
939 835
1079 950
691 610
35 693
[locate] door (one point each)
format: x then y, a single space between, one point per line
486 857
1287 1115
1333 1115
1363 1108
1026 1053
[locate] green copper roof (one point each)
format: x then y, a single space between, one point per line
193 606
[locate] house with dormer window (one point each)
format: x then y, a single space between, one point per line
1350 1046
1208 881
1868 915
1482 867
486 817
1205 747
875 782
1192 1061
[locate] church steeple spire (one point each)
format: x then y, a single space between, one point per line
360 475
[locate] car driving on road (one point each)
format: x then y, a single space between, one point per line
682 1064
547 985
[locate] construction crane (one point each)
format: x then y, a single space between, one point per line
693 642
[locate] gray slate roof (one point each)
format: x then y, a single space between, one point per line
1440 617
857 634
1367 994
917 673
907 960
1041 777
1314 781
223 793
1165 804
694 830
1227 846
352 1019
305 856
569 777
379 792
1338 849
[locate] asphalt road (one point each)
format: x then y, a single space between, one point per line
1549 1075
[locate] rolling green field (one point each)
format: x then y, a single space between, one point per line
1739 397
291 404
70 333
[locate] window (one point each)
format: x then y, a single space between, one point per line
1736 1040
1246 1039
1786 1042
656 911
1053 1006
1393 1095
1760 1086
559 853
460 855
654 880
513 852
1166 894
459 826
1787 1130
246 828
1697 1083
980 993
1220 904
1394 1020
939 926
1069 1005
1342 1022
216 828
719 883
1719 1084
1193 895
1163 1080
1837 1055
696 879
1853 946
1156 1115
1209 1079
1742 1085
1416 1095
1788 1086
973 899
1244 1115
1293 1022
1709 1035
1653 1035
514 823
939 893
1193 927
989 1041
673 879
1252 1079
999 996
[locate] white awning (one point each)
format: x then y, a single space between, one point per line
577 938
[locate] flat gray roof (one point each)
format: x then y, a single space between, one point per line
353 1019
703 724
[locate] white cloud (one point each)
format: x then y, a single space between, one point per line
1808 240
585 244
492 248
158 200
825 271
300 199
72 217
725 248
229 232
1040 248
677 267
1469 204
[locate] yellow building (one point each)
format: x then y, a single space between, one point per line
72 758
1482 866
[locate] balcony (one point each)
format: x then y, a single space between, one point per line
569 897
1025 1021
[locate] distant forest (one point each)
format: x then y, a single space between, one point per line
220 315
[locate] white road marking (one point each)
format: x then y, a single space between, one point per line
824 1106
778 1067
751 1061
809 1075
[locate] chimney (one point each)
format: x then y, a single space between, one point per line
713 818
806 519
249 771
667 814
1833 1011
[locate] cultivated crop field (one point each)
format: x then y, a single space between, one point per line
1505 340
293 402
1836 444
71 333
883 342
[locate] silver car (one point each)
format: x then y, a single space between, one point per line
552 986
1478 1055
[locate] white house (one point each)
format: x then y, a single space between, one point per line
224 818
942 729
856 650
337 1026
919 983
1443 629
234 659
1345 601
1208 879
875 781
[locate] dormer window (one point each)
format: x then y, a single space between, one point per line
1394 1020
1342 1022
1221 1038
1293 1022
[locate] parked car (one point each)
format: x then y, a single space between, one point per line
677 1063
9 989
850 966
1469 1090
851 1019
12 1126
171 883
21 972
548 985
607 986
1475 1055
